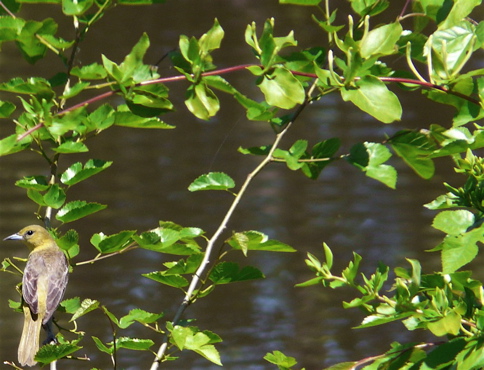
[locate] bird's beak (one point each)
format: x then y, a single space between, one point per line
14 237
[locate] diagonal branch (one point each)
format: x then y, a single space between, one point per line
223 225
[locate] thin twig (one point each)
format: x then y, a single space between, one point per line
223 225
99 258
7 10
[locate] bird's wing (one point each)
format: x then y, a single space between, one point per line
57 280
35 265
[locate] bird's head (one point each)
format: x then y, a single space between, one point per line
33 236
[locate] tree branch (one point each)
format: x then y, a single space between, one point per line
210 244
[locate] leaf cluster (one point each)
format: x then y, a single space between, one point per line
357 66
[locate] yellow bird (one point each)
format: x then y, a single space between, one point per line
43 286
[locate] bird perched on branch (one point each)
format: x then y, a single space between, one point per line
43 286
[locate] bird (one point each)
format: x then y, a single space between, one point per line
43 285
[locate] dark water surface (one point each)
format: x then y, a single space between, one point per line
148 182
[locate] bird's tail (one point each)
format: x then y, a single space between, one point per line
29 343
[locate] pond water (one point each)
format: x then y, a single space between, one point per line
148 182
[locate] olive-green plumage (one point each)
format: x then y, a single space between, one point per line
43 286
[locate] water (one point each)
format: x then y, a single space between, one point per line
148 182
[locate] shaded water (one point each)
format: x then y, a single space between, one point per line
148 183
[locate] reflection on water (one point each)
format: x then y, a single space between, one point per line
148 183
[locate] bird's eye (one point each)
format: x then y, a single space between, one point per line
30 232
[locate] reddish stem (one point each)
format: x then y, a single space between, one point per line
238 68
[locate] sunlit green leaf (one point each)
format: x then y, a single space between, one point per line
135 344
76 7
381 40
77 209
55 196
71 147
449 324
254 240
128 119
373 97
87 305
51 352
39 183
453 222
176 281
370 157
140 316
102 347
33 86
112 243
280 360
282 89
202 101
77 172
93 71
212 181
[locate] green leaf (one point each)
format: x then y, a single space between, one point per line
325 149
188 266
10 145
176 281
255 240
459 250
75 210
112 243
414 148
71 305
229 272
212 39
86 306
212 181
6 109
102 347
37 197
280 359
449 324
282 89
140 316
55 196
460 10
69 243
51 352
94 71
200 342
453 222
350 272
38 183
76 7
370 157
381 40
381 319
72 91
373 97
123 117
71 147
37 86
450 49
201 101
77 172
135 344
